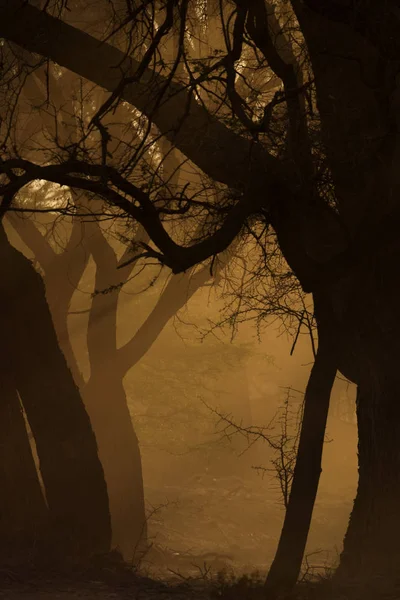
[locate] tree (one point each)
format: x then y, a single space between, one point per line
103 394
316 162
37 370
286 565
23 509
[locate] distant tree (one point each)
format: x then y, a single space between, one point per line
103 393
63 267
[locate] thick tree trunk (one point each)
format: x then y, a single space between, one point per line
364 325
23 511
358 95
71 471
371 553
287 563
119 452
103 395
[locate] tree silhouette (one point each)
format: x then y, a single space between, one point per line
103 393
72 475
316 161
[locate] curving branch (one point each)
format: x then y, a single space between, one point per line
263 182
178 258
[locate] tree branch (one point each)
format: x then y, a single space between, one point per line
178 258
31 236
214 148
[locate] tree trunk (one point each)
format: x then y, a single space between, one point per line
23 511
371 553
364 325
358 97
371 545
119 452
287 563
71 471
106 406
59 304
106 403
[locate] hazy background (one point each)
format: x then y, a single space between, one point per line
207 502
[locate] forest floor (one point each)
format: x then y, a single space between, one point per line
209 531
233 524
216 511
119 583
129 586
205 546
115 580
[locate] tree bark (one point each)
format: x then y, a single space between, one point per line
71 471
103 394
371 553
358 95
364 326
23 511
288 559
106 404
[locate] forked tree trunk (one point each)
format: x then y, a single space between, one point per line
106 403
287 563
71 471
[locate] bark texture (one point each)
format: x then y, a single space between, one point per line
365 319
23 511
71 471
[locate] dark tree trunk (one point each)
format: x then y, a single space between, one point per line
371 551
287 563
71 471
371 554
358 95
364 325
23 511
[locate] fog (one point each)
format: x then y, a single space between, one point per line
212 495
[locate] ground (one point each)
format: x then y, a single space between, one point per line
228 517
221 517
120 584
